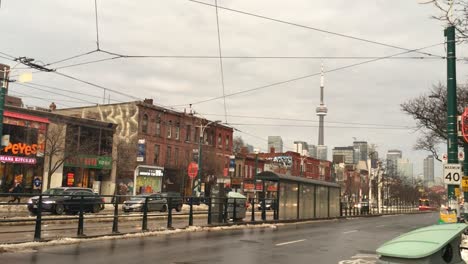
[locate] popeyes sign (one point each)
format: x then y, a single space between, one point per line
21 148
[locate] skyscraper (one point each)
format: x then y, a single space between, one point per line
392 157
275 142
312 151
301 147
343 155
405 169
429 170
360 151
321 111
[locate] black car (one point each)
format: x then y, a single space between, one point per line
270 204
67 200
175 200
155 202
197 200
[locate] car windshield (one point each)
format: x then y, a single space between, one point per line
54 191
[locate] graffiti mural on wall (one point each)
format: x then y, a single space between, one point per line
283 161
125 116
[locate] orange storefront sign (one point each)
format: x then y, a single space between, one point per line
21 148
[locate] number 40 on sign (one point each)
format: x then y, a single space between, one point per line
452 173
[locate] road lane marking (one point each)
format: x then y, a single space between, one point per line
290 242
352 231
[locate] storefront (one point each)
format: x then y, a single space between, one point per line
22 151
87 171
148 179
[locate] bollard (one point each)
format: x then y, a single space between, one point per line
169 213
37 229
144 225
252 217
225 215
234 211
115 224
190 219
209 210
263 210
80 218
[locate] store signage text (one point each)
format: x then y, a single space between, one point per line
15 159
21 148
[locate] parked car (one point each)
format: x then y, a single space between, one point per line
136 204
197 200
67 201
175 199
270 204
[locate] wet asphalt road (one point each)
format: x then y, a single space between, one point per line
317 242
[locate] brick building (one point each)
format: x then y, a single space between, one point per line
292 163
156 144
243 178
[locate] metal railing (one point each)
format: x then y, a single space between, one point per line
43 210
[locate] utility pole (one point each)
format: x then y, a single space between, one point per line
452 137
5 69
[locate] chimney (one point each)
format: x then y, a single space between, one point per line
148 101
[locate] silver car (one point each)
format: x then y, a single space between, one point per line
136 204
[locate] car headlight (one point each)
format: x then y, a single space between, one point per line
49 202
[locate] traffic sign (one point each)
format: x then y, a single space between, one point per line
452 173
457 192
461 155
464 184
192 170
444 158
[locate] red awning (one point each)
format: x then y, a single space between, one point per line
26 117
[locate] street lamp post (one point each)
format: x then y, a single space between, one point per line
197 187
452 137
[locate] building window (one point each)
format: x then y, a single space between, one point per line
144 124
188 133
157 150
176 156
168 155
220 140
227 142
158 125
239 172
177 132
169 130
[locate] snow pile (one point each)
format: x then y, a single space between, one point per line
33 246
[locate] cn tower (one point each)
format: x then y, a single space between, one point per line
321 111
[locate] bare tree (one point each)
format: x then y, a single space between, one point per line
454 12
237 144
430 113
55 149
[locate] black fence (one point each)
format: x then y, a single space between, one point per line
82 215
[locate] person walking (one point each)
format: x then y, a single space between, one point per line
16 190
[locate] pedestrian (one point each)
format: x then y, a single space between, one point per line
15 190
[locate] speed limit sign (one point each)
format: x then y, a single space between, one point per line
452 173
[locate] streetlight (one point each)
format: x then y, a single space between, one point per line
197 188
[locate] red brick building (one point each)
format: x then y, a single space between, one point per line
292 163
156 144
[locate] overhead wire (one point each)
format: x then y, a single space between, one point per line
97 24
22 95
309 27
48 101
305 120
304 77
221 61
299 125
53 92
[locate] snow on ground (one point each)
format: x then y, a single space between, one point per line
33 246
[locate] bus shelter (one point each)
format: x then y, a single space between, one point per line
300 198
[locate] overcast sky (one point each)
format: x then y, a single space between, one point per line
49 31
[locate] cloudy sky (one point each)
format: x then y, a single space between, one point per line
369 94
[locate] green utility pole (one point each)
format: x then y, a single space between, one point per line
452 137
